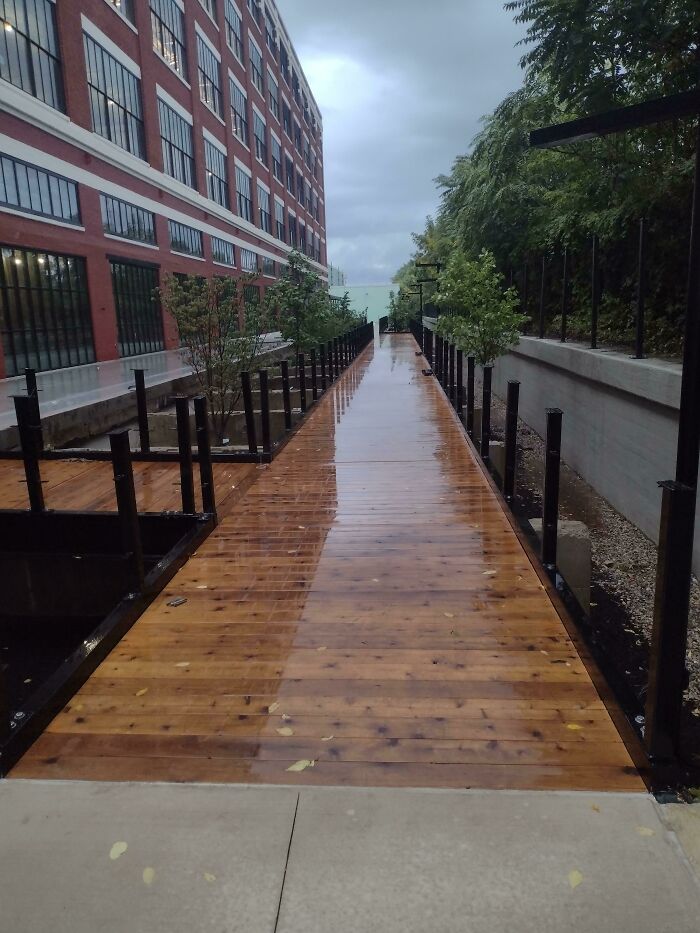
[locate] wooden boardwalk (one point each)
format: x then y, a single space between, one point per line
365 615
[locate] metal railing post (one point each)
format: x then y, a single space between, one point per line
452 373
550 494
486 413
5 727
322 355
595 248
206 468
249 413
641 290
511 441
184 443
265 411
33 393
314 377
565 294
460 384
542 297
142 410
286 395
123 472
470 396
301 366
332 372
25 409
336 357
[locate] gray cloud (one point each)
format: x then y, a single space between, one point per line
402 86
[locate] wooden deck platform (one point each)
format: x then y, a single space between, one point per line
365 615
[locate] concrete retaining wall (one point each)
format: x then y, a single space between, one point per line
620 419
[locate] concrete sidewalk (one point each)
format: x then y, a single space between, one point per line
81 857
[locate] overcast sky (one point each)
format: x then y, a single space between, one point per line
402 86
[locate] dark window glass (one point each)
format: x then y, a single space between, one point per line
139 318
245 198
287 120
168 25
177 145
234 30
276 159
125 7
249 260
279 221
217 177
115 99
264 208
256 66
44 310
295 86
273 94
222 251
292 227
210 7
297 137
255 10
302 238
251 294
36 191
209 71
284 62
239 113
300 188
29 53
126 220
268 266
260 131
184 239
290 175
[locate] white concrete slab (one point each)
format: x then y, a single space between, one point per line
421 862
217 855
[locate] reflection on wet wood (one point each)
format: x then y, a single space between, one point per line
365 606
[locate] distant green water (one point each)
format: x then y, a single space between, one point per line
373 298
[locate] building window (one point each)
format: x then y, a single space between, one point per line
297 137
177 145
279 221
255 10
276 159
139 319
184 239
234 30
259 130
168 25
125 7
307 152
307 196
300 188
251 295
264 209
217 177
305 108
256 65
239 113
290 175
284 62
115 99
209 76
245 202
28 188
295 86
292 227
270 34
223 252
273 93
287 120
317 247
249 260
29 53
314 205
126 220
302 238
44 310
268 267
210 7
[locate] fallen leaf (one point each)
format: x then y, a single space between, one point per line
449 615
574 726
285 718
374 580
142 692
489 573
302 765
327 738
645 831
322 648
595 808
209 877
119 848
302 527
285 730
575 878
149 875
203 587
273 706
182 664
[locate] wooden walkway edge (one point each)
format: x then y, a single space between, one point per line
364 615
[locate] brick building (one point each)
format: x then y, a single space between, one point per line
140 138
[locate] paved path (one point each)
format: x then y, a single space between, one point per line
366 615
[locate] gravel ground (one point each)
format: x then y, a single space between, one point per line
623 558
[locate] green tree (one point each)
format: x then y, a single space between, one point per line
301 304
222 336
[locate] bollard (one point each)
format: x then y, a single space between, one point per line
322 356
594 292
301 366
511 441
460 385
206 468
265 411
142 410
25 409
126 505
184 443
314 377
550 495
286 395
33 393
667 654
486 413
249 413
641 291
470 396
564 294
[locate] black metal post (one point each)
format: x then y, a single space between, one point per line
314 377
265 411
511 441
460 384
141 408
438 357
332 372
525 296
184 443
445 364
33 393
322 355
336 357
206 469
286 395
594 291
542 296
25 410
470 396
486 413
452 372
667 664
5 727
301 366
550 495
126 505
641 290
249 413
565 294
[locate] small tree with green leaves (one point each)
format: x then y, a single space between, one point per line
222 336
300 303
400 313
484 320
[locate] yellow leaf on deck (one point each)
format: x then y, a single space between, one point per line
645 831
327 738
322 648
119 848
449 615
575 878
302 765
183 664
489 573
595 808
149 875
285 730
142 692
209 877
272 707
574 726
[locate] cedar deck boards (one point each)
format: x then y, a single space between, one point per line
365 606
